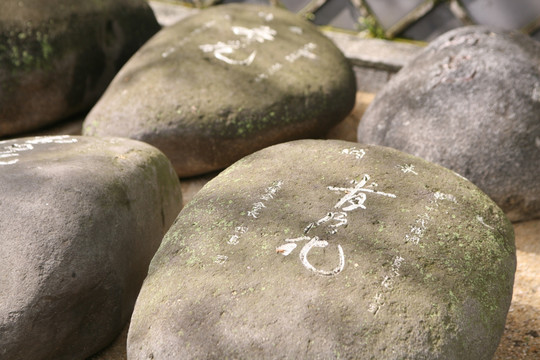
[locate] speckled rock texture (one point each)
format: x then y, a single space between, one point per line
224 83
318 249
471 102
81 219
58 56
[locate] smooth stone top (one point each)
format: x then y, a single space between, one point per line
470 101
324 249
224 83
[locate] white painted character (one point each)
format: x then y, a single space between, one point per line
357 153
355 196
339 218
286 249
222 50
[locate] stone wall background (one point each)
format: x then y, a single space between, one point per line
411 19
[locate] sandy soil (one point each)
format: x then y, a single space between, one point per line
521 338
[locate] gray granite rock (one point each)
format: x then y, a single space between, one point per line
320 249
81 219
57 57
470 101
224 83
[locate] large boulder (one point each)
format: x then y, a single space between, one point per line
224 83
471 102
329 249
58 56
81 220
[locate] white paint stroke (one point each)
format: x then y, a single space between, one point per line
11 162
301 238
460 176
188 37
13 150
246 61
355 195
408 168
233 240
221 50
340 219
481 221
266 16
304 51
296 30
358 153
254 212
60 139
220 259
315 242
259 34
376 305
387 283
239 230
286 249
442 196
168 52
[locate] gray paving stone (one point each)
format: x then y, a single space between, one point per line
168 14
295 5
375 53
371 80
389 12
507 14
255 2
435 23
338 13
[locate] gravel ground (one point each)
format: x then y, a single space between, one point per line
521 338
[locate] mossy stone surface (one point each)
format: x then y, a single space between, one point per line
81 220
470 101
224 83
395 258
58 56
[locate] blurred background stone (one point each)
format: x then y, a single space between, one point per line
57 57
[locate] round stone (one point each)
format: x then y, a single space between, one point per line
224 83
81 220
471 102
57 56
325 249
